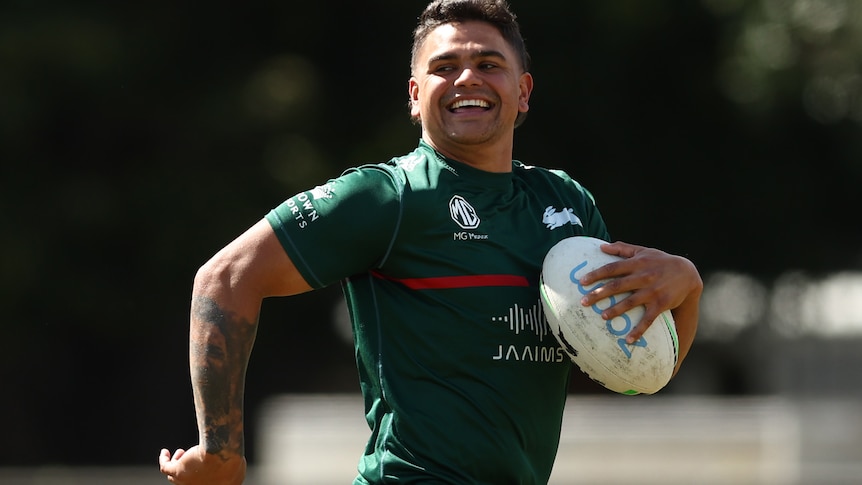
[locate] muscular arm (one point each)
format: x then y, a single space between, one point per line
226 300
220 343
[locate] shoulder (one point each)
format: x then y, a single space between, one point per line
390 180
392 173
522 169
397 166
536 176
418 171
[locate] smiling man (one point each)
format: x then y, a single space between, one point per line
468 87
462 382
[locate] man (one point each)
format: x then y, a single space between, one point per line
439 253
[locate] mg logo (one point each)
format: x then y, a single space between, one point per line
463 213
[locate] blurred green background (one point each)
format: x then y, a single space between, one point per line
137 138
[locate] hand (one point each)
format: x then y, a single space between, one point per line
657 280
197 467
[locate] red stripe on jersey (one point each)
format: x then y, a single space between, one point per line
447 282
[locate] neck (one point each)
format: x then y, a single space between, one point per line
496 157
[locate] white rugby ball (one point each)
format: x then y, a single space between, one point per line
598 347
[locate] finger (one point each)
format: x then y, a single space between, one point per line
179 453
600 292
621 249
623 289
593 276
647 320
164 456
165 462
604 272
614 269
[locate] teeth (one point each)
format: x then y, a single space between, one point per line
471 103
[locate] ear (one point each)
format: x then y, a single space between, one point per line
413 93
526 87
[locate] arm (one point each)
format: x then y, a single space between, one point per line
657 280
226 300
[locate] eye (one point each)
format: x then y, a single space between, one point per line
442 68
487 65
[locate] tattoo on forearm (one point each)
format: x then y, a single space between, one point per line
220 346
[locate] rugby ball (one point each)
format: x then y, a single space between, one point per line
596 346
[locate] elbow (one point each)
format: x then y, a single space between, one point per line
213 277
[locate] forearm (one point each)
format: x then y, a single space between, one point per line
220 341
686 317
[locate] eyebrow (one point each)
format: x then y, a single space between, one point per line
447 56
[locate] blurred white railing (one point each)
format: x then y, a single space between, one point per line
317 439
606 440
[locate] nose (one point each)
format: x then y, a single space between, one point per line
468 77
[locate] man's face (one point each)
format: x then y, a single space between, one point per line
467 87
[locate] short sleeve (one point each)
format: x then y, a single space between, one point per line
341 228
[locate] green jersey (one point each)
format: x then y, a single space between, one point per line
440 264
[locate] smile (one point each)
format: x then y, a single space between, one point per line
469 103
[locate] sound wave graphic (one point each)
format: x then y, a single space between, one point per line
521 319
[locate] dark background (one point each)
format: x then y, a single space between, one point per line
136 139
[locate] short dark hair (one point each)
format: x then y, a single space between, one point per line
495 12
